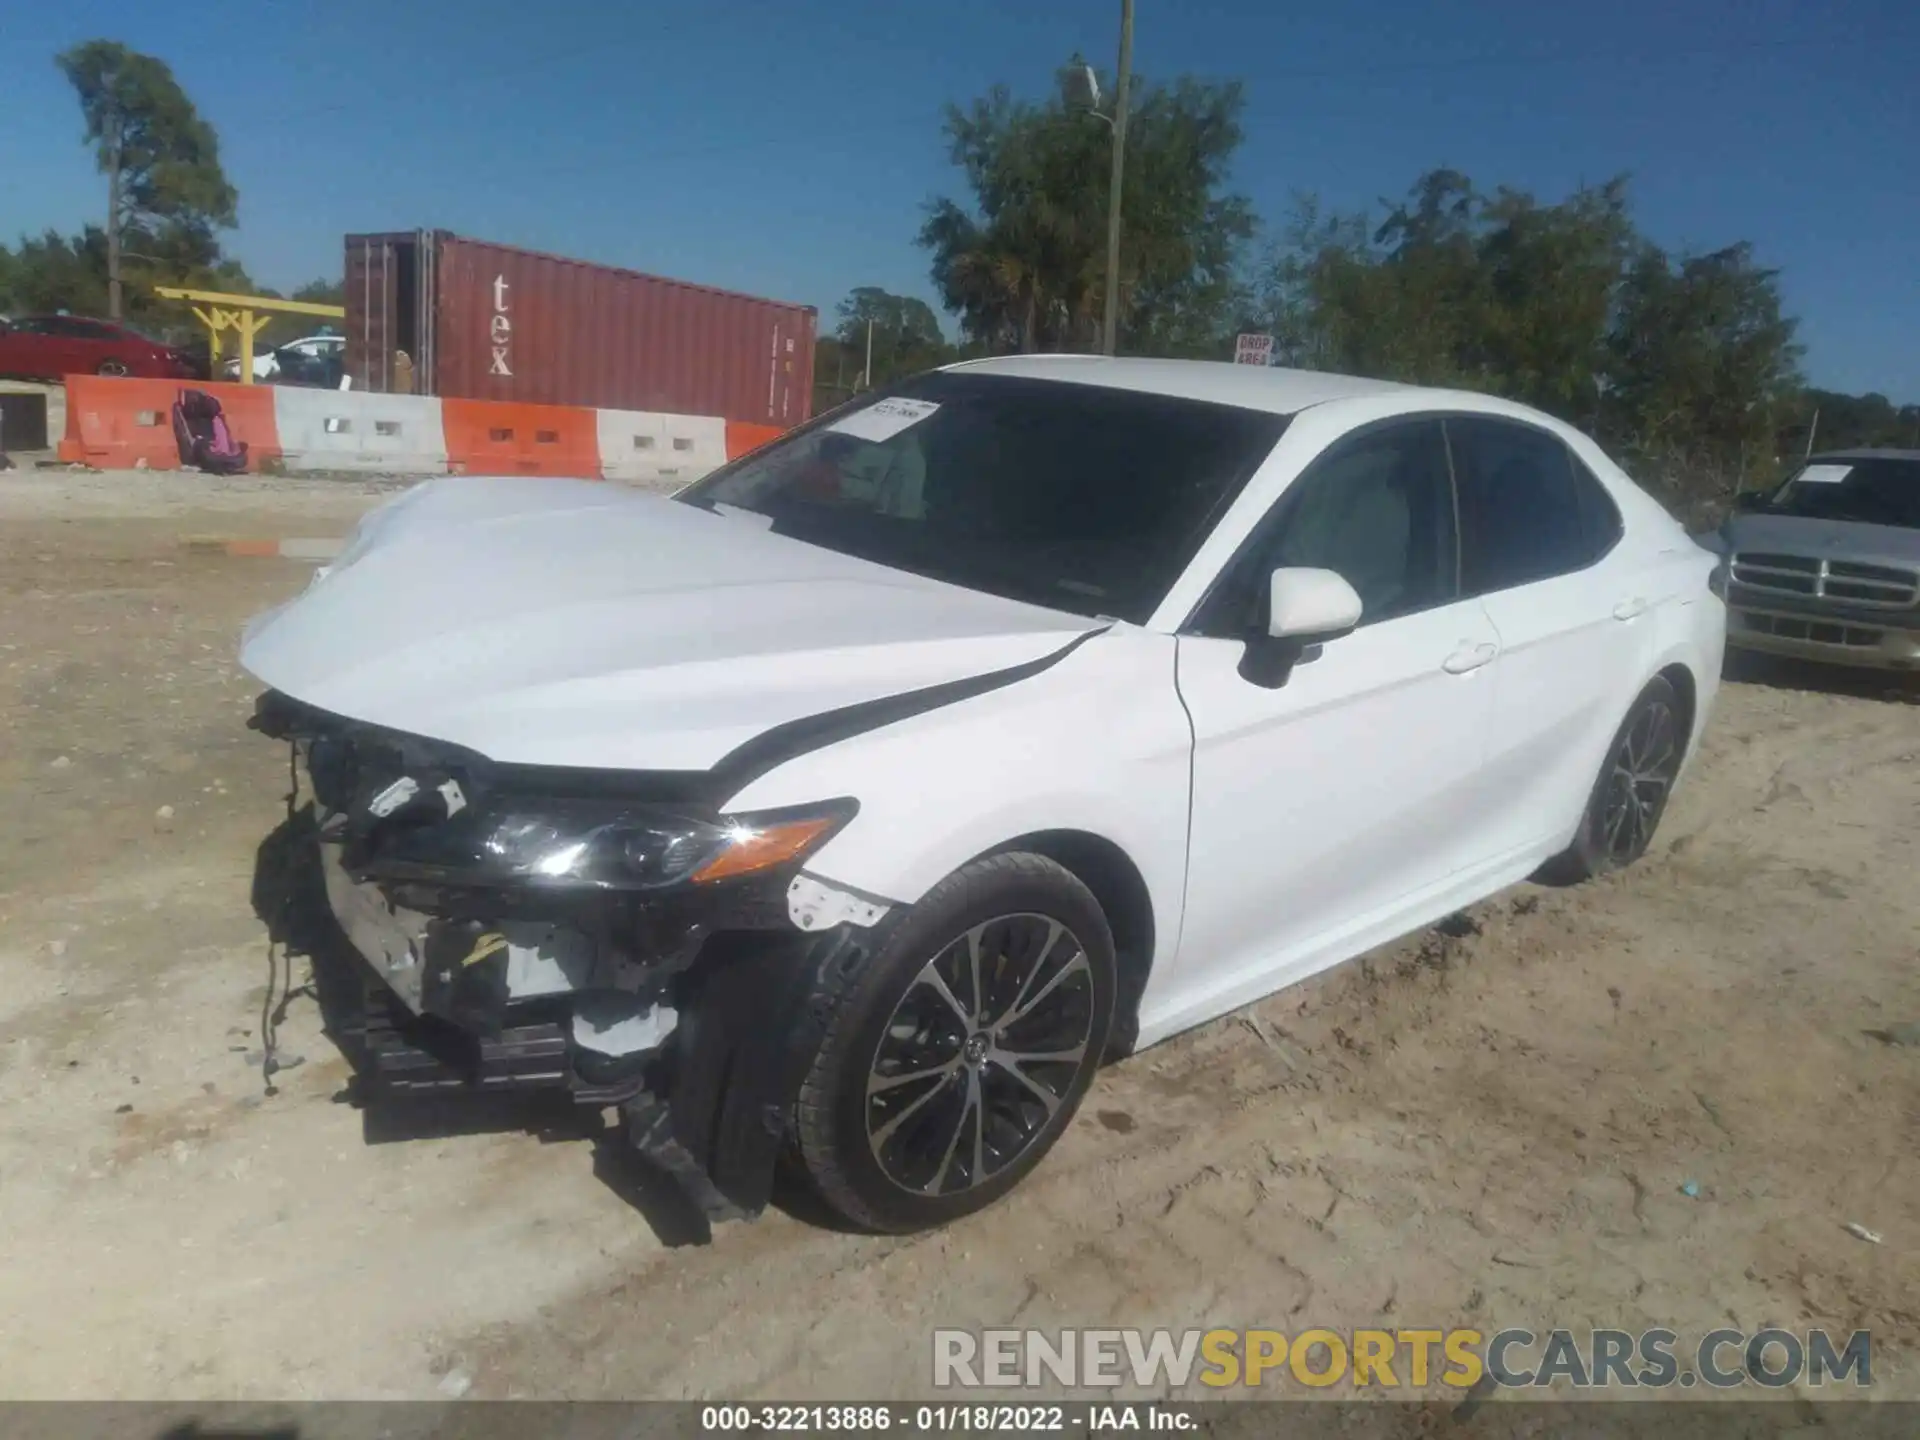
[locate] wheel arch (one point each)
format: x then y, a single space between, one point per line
1568 865
1690 662
1121 890
1687 690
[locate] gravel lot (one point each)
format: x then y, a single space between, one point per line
1488 1127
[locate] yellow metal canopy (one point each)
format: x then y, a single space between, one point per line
241 313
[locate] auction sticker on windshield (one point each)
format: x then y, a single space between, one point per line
1823 475
884 419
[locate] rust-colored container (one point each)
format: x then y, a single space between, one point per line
479 321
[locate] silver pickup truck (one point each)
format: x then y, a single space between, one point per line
1827 567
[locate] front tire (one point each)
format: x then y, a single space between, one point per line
1631 793
958 1054
113 368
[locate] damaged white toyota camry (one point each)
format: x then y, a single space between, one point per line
852 805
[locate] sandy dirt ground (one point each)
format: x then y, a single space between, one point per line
1492 1126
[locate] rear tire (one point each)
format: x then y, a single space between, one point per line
932 1095
112 367
1631 793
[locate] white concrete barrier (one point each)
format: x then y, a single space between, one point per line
345 430
639 445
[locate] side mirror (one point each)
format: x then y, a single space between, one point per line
1311 605
1305 609
1752 499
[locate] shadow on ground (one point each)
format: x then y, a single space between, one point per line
1782 672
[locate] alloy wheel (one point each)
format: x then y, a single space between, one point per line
979 1054
1642 773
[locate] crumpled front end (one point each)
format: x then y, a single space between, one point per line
613 935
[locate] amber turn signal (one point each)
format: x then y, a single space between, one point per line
764 848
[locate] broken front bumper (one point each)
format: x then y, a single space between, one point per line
518 931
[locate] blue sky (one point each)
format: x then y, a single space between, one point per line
786 148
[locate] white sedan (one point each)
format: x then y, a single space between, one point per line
855 803
266 362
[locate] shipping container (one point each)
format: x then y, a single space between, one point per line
436 314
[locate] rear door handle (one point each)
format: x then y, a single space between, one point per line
1629 609
1469 657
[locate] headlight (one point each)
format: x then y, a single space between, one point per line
599 846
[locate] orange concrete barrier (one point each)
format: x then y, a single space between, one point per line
744 435
117 424
499 437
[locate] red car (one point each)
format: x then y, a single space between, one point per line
46 347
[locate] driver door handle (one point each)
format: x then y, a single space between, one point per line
1630 609
1470 656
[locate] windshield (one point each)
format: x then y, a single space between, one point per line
1078 497
1875 491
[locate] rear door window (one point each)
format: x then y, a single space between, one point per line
1599 516
1529 510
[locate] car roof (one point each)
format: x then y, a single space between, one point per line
1827 457
1251 387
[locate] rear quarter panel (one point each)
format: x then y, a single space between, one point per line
1689 621
1690 630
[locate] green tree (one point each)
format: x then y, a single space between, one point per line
1404 299
1702 363
1686 366
906 333
1457 288
1829 420
162 161
1322 294
321 292
1550 274
53 273
1023 266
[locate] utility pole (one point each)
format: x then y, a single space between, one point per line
114 123
1110 322
866 380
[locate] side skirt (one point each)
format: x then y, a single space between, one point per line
1275 973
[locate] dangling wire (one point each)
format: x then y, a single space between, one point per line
279 960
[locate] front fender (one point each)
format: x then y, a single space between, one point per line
1099 743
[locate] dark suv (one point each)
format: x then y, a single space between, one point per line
1827 567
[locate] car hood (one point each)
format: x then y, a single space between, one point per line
561 622
1827 539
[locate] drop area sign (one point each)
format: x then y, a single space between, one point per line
1253 350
